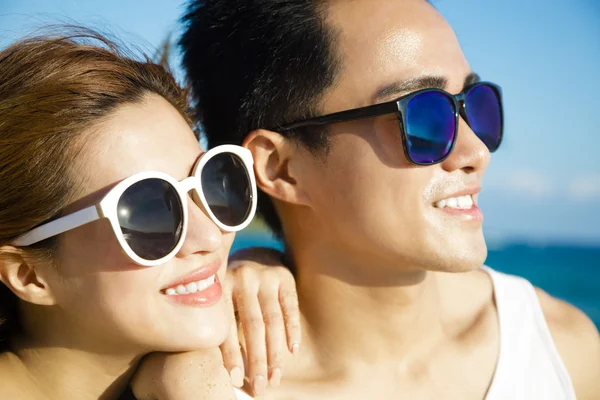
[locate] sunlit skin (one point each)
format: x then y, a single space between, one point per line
96 313
392 299
381 313
363 228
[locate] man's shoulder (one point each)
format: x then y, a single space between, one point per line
571 328
577 341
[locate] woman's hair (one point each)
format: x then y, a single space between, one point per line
53 88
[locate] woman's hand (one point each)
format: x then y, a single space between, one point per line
263 294
266 304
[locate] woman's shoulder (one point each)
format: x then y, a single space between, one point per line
9 367
14 380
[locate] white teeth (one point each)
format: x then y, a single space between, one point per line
465 202
206 283
460 202
452 202
192 287
202 285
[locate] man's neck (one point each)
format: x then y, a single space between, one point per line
357 313
62 373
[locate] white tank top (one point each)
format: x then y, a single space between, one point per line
529 366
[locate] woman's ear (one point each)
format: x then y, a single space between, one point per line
19 274
276 166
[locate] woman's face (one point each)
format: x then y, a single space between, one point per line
105 299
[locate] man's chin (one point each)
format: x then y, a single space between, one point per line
468 260
458 258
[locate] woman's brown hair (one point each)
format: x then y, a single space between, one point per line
53 88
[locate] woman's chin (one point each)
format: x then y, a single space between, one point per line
204 335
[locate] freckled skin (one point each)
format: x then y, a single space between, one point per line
108 312
126 298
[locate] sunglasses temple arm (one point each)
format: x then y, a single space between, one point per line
58 226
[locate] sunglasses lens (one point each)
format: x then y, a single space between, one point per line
227 188
151 218
484 112
430 127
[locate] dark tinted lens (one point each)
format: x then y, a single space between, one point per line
150 215
227 188
430 126
483 108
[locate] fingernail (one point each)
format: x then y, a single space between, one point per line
295 348
259 385
275 377
237 377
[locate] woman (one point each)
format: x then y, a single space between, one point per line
114 225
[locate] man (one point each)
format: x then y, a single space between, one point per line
378 206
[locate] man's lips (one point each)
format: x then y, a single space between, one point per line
472 214
199 274
461 203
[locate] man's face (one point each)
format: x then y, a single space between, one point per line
371 200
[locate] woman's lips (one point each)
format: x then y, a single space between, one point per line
190 295
200 287
199 274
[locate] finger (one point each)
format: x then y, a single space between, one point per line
288 297
274 330
232 358
250 315
231 351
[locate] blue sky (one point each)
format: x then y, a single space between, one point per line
544 183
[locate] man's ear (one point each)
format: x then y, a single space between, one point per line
276 166
19 273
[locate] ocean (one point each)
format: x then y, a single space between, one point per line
571 273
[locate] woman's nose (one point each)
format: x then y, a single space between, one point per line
203 235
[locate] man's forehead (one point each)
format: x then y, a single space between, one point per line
369 31
348 14
383 46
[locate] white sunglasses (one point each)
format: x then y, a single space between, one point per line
148 211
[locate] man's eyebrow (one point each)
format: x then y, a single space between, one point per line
471 79
399 88
396 89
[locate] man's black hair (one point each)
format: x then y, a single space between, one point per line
258 64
